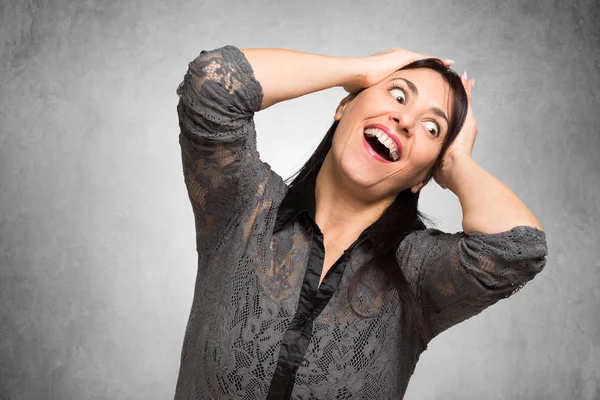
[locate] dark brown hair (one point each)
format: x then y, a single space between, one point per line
402 217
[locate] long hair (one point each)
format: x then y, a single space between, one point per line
402 217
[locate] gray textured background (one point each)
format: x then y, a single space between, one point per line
97 238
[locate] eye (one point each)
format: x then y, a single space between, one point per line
398 94
432 127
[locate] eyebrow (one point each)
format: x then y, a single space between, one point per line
413 88
437 111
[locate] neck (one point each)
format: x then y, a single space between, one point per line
341 213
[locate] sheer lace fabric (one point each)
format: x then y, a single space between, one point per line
249 279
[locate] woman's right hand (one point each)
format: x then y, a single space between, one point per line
379 66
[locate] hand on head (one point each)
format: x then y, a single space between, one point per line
380 65
463 145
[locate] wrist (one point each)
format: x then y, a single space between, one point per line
353 73
457 165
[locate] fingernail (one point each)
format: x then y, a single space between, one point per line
450 62
466 76
473 84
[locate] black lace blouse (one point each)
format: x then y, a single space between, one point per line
259 326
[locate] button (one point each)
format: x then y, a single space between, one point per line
286 369
303 316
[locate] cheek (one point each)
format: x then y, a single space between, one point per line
424 156
340 138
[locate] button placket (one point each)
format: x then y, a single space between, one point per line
303 317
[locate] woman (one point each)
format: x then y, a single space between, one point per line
330 288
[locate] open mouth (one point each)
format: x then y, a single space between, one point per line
382 144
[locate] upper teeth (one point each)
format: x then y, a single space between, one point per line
385 140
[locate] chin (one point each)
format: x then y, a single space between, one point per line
358 171
362 177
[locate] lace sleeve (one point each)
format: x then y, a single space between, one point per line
221 165
456 276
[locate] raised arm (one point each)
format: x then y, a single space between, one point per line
287 74
222 170
502 246
488 205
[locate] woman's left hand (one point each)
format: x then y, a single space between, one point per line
464 142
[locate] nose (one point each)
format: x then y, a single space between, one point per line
405 121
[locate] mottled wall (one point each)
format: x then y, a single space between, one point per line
97 240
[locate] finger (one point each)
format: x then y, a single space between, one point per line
467 83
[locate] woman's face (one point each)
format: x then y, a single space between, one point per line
409 111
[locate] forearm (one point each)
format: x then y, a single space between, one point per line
287 74
488 206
